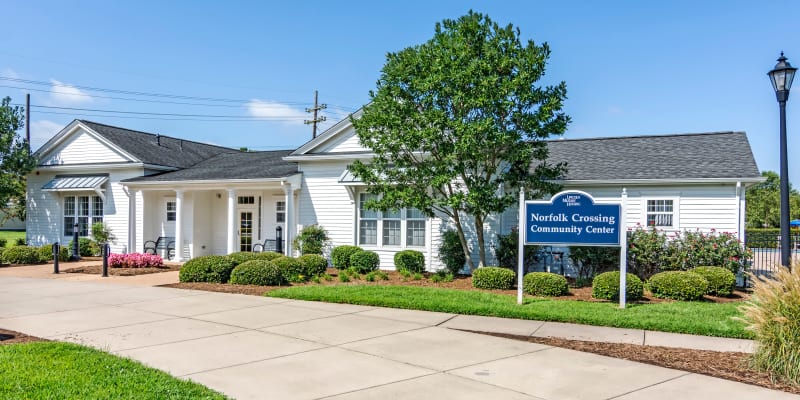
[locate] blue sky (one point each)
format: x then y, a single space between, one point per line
631 67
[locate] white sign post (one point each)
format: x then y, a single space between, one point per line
623 251
520 245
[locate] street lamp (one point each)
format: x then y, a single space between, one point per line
782 76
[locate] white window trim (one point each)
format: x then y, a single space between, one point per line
403 229
675 212
91 216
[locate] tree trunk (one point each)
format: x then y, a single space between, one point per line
481 244
464 245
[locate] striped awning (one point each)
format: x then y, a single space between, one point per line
75 182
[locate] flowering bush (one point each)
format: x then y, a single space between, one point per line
647 251
135 260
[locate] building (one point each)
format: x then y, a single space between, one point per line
217 200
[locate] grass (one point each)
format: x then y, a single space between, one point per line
11 237
51 370
700 318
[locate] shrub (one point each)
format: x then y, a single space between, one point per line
365 261
691 249
678 285
773 315
20 242
135 260
313 239
291 268
46 253
313 264
647 253
344 277
257 272
382 275
506 249
21 255
102 233
592 260
243 256
340 256
215 269
544 284
267 255
410 260
606 286
370 277
721 282
451 253
493 278
86 247
3 242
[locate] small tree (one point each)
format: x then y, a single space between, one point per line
313 239
102 233
457 125
15 161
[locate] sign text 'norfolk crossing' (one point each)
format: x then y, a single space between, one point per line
572 217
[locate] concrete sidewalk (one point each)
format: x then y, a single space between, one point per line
252 348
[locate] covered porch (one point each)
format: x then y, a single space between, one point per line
220 217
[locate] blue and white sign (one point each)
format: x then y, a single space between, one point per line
572 218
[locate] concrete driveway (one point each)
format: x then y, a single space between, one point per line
261 348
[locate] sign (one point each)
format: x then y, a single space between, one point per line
572 218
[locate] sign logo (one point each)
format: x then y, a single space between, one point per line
572 218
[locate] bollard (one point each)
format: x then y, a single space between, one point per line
76 250
105 250
56 252
279 239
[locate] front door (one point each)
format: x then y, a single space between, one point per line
246 230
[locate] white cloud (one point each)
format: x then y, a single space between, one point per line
63 93
270 110
42 130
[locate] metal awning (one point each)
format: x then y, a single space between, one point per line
347 177
68 183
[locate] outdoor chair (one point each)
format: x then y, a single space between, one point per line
165 243
268 245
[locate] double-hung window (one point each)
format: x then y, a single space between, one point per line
83 210
660 213
280 212
172 211
393 228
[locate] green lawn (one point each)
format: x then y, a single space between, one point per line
701 318
11 237
52 370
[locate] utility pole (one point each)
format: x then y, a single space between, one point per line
316 120
28 121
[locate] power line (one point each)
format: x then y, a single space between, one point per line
287 117
241 119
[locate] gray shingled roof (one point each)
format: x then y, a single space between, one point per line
238 165
158 149
685 156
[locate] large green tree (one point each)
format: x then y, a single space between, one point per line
15 160
457 122
763 201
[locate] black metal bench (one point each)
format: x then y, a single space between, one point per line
166 243
269 245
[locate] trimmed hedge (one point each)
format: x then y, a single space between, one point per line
257 272
242 256
267 255
721 281
409 260
544 284
340 256
313 264
215 269
606 286
365 261
291 268
46 253
22 255
678 285
86 247
493 278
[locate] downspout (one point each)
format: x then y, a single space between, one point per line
739 233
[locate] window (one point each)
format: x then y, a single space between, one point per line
280 212
399 228
82 210
368 221
659 213
247 199
172 211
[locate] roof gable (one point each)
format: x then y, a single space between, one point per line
340 138
717 155
77 144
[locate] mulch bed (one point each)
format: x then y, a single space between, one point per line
98 269
11 337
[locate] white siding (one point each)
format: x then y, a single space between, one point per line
82 148
325 202
346 141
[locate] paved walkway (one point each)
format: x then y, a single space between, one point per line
253 348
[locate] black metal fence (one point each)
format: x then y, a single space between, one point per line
766 251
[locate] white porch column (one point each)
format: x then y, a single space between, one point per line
178 225
231 221
289 229
132 220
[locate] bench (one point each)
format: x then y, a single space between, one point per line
166 243
268 245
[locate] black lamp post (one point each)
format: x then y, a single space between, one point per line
782 76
